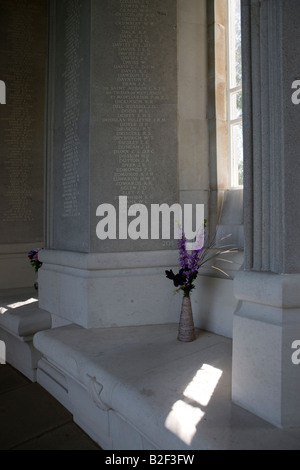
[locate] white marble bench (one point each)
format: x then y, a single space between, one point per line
140 388
20 319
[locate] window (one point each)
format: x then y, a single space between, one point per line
234 93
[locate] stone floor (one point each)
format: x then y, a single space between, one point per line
31 419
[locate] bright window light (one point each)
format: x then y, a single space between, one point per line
234 93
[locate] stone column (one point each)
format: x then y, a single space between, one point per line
112 131
267 322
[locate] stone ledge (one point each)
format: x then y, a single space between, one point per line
20 319
25 320
109 261
140 388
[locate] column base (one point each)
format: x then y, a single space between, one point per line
109 289
265 380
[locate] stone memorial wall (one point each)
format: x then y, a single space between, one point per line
135 113
70 156
71 112
22 69
115 115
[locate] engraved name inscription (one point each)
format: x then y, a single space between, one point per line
135 102
70 76
18 137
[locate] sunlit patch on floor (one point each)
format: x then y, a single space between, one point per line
189 411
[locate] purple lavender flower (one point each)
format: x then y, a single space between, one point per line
190 263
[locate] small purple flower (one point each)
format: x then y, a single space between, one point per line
33 256
190 262
189 266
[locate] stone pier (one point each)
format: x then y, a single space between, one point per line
112 132
267 321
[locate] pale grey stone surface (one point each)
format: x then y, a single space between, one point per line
115 116
271 136
176 396
22 68
266 322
